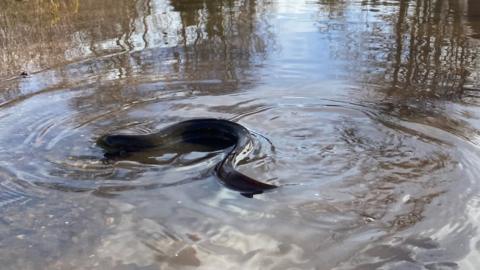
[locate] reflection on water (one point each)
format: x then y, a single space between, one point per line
419 50
364 112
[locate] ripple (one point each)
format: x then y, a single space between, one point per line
344 165
62 155
350 173
351 176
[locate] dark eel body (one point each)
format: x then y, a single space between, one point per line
210 134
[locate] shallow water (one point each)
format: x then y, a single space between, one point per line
366 113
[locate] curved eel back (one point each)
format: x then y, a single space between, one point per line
214 134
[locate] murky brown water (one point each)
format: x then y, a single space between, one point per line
365 112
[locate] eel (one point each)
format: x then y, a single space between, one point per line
201 134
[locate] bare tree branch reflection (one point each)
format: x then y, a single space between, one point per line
408 62
428 56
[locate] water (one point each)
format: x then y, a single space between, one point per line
366 113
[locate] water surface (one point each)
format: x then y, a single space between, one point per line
366 113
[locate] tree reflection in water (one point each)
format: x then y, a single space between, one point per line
405 61
133 64
428 55
211 46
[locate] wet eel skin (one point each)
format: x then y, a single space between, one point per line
208 133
